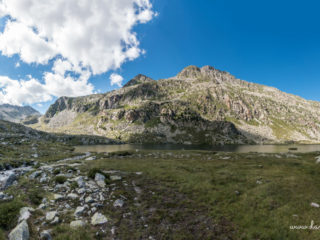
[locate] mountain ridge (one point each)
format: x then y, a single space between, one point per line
17 114
197 106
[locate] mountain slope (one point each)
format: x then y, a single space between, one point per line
16 113
198 106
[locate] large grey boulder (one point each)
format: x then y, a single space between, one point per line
20 232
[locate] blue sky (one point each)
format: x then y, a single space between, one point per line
275 43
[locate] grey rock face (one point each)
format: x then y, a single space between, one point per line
20 232
45 235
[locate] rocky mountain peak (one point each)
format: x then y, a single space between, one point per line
190 72
140 78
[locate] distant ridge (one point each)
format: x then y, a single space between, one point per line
17 114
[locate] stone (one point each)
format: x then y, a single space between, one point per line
7 179
5 197
72 196
98 219
50 216
57 197
316 205
101 184
44 178
45 235
79 211
20 232
89 199
115 178
56 220
118 203
42 206
25 214
35 174
80 181
99 177
77 224
81 190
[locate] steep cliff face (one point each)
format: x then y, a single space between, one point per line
16 113
198 106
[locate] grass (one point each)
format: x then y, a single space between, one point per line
60 179
229 189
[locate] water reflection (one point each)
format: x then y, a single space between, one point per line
226 148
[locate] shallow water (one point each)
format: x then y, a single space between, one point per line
226 148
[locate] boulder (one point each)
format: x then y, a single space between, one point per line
50 216
98 219
25 213
20 232
7 179
77 224
99 177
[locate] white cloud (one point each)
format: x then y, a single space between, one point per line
85 37
116 79
19 92
95 34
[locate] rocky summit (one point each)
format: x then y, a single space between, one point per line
198 106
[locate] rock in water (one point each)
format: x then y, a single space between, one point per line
20 232
98 219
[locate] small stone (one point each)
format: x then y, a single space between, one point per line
79 211
81 190
316 205
101 184
98 219
51 215
115 178
42 206
45 235
72 196
56 220
89 199
77 224
57 197
99 177
20 232
118 203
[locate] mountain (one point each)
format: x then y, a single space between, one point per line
198 106
17 114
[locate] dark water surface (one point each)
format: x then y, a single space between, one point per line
226 148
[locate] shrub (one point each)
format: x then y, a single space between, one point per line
36 195
9 212
56 171
60 179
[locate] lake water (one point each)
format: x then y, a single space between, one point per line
226 148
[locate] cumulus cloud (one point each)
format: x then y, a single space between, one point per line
87 37
116 79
